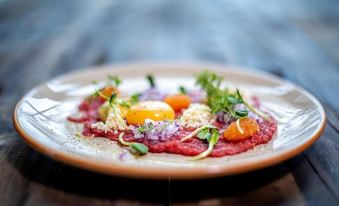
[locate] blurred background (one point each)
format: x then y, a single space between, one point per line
295 39
54 36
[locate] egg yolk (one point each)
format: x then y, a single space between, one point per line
154 110
249 127
178 101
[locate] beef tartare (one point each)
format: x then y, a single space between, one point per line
208 121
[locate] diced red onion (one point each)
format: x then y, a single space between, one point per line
157 130
224 118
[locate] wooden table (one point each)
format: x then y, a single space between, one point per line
296 40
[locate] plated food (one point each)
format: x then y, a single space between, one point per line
210 120
293 119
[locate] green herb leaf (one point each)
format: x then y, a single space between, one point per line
196 131
136 147
232 100
151 81
241 113
140 148
204 134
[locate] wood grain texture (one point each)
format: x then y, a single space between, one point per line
296 40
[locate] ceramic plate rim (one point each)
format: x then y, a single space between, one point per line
175 173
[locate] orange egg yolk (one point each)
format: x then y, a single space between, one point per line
154 110
248 126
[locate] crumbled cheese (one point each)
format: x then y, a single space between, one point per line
99 126
197 115
114 121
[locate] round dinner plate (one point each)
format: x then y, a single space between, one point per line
41 115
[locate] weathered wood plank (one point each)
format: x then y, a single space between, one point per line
311 184
13 187
271 186
323 160
28 177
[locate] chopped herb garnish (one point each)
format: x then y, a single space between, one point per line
182 90
142 129
150 126
145 128
151 81
212 139
136 147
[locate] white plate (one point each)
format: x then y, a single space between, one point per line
40 118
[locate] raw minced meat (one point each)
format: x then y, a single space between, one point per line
173 144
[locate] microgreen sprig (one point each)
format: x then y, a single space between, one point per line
212 138
98 93
135 147
116 114
182 90
259 113
219 99
151 81
239 127
113 99
115 79
135 98
111 102
197 131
